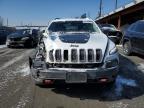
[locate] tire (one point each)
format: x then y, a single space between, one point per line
127 49
32 44
29 44
8 46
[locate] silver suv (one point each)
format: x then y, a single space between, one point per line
74 51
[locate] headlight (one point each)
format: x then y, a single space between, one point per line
113 51
25 38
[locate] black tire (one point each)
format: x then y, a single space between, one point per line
127 49
8 46
29 44
32 44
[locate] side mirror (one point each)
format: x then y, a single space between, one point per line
103 28
43 31
44 36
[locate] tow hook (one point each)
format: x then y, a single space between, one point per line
48 82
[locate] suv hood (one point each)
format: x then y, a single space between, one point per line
88 41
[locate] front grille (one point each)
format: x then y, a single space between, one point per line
15 39
75 56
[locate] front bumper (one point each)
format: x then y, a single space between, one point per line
16 43
91 75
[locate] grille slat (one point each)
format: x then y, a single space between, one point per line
98 55
58 56
74 56
65 55
82 55
90 55
51 57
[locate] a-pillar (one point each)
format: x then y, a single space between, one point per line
119 22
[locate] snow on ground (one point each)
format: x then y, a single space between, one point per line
23 70
12 61
141 67
24 99
119 45
2 46
118 105
120 82
119 87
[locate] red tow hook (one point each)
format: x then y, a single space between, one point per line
48 82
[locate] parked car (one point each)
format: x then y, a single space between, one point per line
23 37
74 51
133 40
4 32
110 30
3 35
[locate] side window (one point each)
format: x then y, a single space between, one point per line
140 27
132 27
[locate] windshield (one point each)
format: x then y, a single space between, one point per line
23 31
73 26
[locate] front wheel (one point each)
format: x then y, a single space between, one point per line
127 48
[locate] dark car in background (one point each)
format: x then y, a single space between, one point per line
110 30
133 40
4 32
23 37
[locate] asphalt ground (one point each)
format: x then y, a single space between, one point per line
18 91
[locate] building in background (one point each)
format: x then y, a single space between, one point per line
123 16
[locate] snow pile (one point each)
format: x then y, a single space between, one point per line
2 46
118 105
120 82
23 70
140 67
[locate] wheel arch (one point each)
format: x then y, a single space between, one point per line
126 40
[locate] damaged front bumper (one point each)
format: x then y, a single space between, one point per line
71 75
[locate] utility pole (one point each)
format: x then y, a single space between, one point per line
100 8
116 4
7 22
0 21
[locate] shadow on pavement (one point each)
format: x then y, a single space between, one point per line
129 84
21 47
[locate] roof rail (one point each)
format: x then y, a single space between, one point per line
57 18
84 15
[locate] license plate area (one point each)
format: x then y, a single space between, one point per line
76 77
